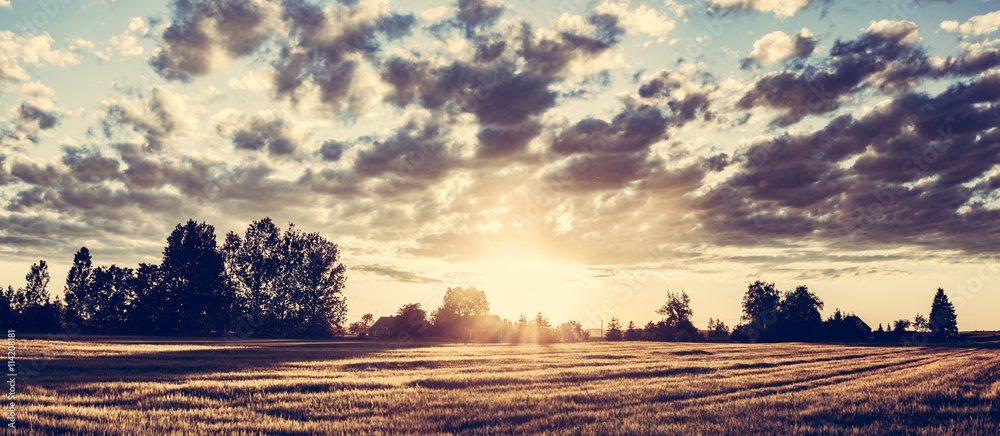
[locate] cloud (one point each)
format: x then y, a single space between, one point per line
778 46
204 36
262 131
16 50
780 8
641 20
886 57
977 25
158 119
5 4
396 274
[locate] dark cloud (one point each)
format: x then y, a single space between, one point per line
89 166
332 150
263 131
479 12
396 274
204 33
506 142
159 118
630 131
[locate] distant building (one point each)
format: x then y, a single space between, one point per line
482 328
383 327
861 326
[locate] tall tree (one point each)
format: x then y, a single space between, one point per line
677 309
253 263
614 331
78 284
459 302
799 315
311 284
111 296
760 302
411 321
148 308
36 293
193 284
943 321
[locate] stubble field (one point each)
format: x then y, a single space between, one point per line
156 386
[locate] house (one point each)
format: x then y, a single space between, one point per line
863 328
383 327
481 328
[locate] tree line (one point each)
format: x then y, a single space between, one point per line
772 316
289 283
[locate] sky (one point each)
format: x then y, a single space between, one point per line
575 158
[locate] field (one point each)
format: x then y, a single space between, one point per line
156 386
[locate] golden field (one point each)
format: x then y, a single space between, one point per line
166 386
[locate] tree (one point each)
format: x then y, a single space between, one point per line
572 331
411 321
253 264
148 308
614 332
943 321
310 292
760 302
799 315
677 309
78 284
193 287
110 297
360 327
36 293
632 333
760 311
7 307
459 303
921 324
717 329
901 325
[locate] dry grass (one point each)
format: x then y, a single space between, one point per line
310 387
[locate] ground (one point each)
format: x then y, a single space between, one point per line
164 386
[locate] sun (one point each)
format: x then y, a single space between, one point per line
528 284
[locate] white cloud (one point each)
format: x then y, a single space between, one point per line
780 8
5 4
978 25
777 46
434 14
903 31
127 45
641 20
16 50
138 26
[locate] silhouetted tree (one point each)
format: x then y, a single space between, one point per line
78 285
651 333
7 307
35 310
193 287
360 327
458 303
147 309
760 312
310 292
253 264
717 329
36 293
799 315
572 331
614 331
900 326
411 322
632 333
677 312
943 321
110 297
921 324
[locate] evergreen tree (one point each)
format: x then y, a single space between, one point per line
943 321
614 331
78 284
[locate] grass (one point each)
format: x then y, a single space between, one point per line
156 386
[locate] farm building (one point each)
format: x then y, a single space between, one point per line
382 328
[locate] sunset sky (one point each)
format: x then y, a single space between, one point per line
575 158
